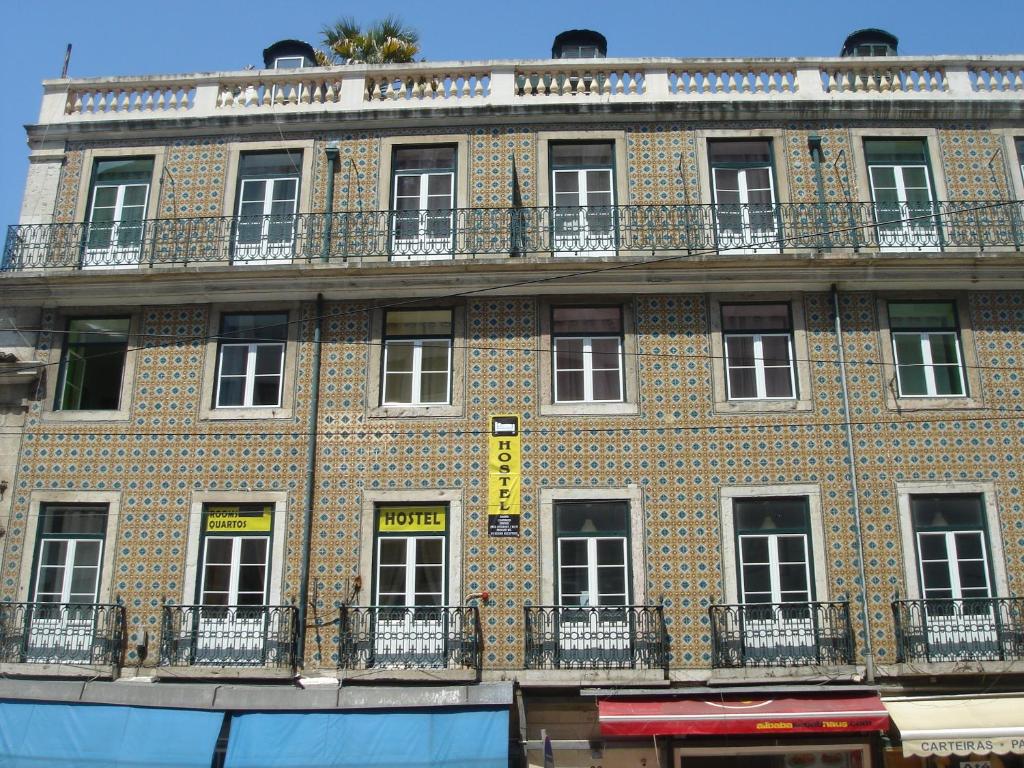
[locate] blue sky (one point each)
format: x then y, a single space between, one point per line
132 37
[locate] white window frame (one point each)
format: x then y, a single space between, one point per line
952 561
122 256
927 364
918 234
266 250
751 240
411 566
759 366
582 242
68 566
588 368
774 573
423 246
253 348
594 567
417 372
234 567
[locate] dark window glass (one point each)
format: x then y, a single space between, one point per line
267 164
124 170
590 320
770 513
755 317
423 158
73 519
947 511
581 154
895 151
269 327
591 517
93 364
757 152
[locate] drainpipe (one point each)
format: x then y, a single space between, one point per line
814 144
307 522
869 654
331 151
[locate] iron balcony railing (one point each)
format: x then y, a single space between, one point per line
229 636
62 633
781 635
976 629
398 637
601 637
466 233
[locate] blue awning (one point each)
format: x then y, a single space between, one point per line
33 735
397 739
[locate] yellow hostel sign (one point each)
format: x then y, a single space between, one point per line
418 519
504 469
235 518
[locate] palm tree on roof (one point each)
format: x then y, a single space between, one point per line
387 41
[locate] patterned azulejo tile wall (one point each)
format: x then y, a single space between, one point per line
678 450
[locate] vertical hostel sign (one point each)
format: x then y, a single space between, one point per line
503 473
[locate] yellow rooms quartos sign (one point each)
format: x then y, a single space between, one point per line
503 473
236 518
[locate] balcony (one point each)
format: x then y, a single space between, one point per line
361 237
600 637
487 86
90 635
378 637
259 638
781 635
980 629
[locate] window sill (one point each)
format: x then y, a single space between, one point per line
933 403
86 415
589 409
413 411
245 414
763 406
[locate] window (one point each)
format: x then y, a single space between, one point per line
758 343
593 553
117 210
743 189
268 194
417 357
93 364
250 360
901 189
587 353
1019 143
958 618
64 624
772 536
69 553
926 349
235 554
422 202
583 198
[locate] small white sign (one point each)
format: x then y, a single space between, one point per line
976 764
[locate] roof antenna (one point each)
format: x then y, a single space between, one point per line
67 60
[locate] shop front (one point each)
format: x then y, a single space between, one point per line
957 731
754 729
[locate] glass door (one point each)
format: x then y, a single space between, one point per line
901 190
117 212
231 624
410 628
583 216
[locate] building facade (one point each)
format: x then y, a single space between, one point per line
666 408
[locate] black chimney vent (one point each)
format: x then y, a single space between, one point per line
579 44
289 54
870 42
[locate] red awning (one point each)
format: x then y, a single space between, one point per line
736 714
